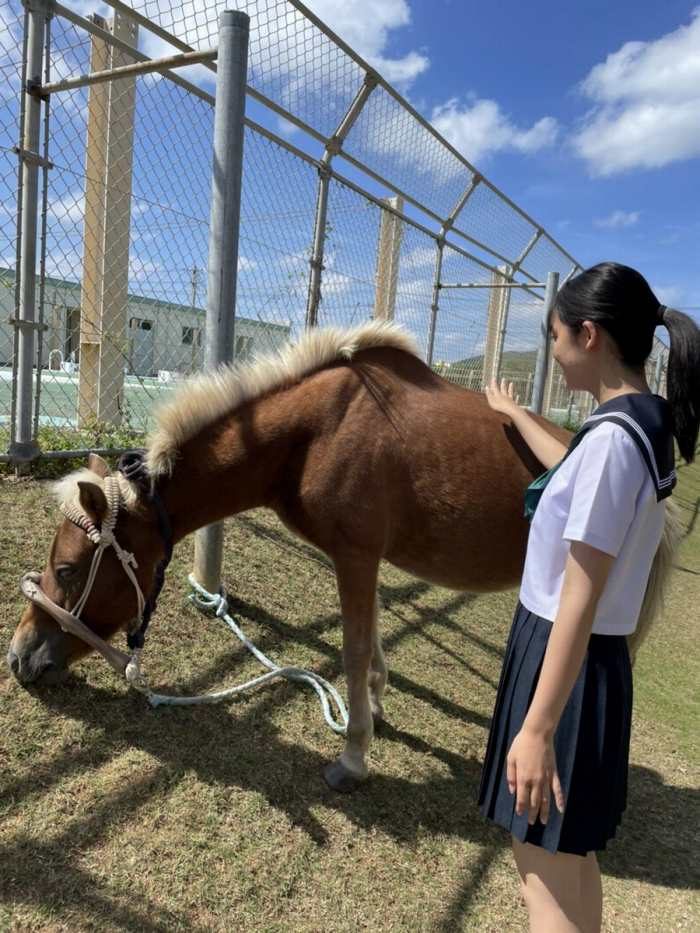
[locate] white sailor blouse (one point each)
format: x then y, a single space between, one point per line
608 492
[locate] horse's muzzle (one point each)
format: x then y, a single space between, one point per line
35 667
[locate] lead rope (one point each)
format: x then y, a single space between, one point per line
217 604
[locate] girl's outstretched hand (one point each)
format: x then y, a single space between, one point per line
502 398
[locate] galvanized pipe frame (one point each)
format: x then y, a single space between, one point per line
95 30
370 78
308 14
526 285
368 70
542 360
45 166
224 229
151 65
146 66
23 445
333 147
18 237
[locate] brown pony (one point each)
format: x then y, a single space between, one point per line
359 448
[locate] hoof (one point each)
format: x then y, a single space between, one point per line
379 721
340 779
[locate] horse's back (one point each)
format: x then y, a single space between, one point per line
415 469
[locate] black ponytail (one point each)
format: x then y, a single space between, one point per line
620 301
683 380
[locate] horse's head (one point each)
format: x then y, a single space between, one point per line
104 513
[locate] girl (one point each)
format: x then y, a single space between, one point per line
555 772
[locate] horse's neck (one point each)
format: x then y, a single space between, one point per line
232 465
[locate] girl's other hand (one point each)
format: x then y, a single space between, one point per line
502 398
532 776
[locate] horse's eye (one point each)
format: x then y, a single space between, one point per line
65 572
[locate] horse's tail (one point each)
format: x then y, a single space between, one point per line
659 576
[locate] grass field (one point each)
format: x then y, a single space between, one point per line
114 816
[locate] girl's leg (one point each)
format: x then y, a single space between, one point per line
592 894
552 889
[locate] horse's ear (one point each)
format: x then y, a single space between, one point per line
93 501
98 465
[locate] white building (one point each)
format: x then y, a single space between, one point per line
161 335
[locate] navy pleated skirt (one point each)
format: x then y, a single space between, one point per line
591 742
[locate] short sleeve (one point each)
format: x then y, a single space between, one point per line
610 476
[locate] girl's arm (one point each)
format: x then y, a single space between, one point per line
531 764
548 450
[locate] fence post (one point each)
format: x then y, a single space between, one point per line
224 223
333 146
549 387
316 261
435 304
387 274
541 365
105 291
23 446
657 372
499 301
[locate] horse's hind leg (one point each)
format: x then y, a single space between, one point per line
378 672
357 586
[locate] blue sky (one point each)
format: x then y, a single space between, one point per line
531 60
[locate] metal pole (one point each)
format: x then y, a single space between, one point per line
507 285
657 373
543 348
435 304
127 71
333 146
224 223
316 261
24 447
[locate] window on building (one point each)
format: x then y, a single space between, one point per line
244 348
191 336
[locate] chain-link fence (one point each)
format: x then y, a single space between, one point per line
353 207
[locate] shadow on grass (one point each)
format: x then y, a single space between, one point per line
657 833
46 873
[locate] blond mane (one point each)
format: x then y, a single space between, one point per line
204 399
67 492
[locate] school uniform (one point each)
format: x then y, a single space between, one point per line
608 492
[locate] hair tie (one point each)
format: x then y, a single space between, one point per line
661 314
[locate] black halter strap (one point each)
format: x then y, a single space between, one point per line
132 465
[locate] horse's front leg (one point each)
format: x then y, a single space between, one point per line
357 586
378 673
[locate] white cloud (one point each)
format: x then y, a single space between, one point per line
140 269
419 257
281 48
365 25
646 105
244 264
618 220
479 128
285 128
334 283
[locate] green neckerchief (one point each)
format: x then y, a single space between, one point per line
534 491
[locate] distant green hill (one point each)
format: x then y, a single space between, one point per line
513 361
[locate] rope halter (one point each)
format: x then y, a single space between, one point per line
103 538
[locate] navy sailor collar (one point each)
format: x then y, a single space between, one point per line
647 420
